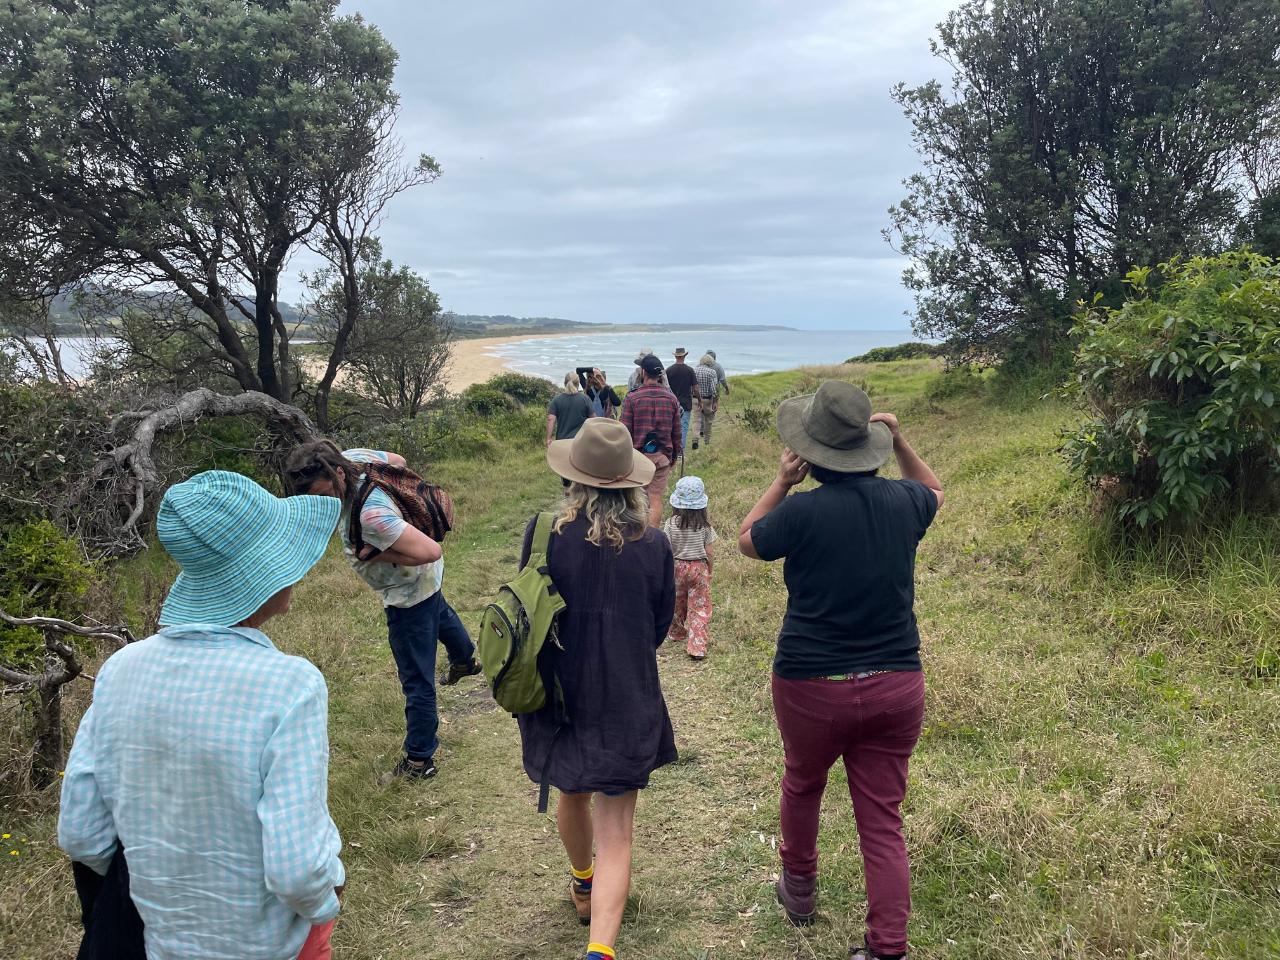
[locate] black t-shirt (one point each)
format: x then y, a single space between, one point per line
850 551
680 380
571 411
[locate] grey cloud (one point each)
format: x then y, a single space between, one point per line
726 160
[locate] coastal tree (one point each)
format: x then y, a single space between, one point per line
398 353
1075 140
187 146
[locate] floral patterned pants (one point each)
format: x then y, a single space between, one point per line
693 606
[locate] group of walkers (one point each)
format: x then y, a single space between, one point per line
195 798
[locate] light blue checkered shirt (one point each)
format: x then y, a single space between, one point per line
206 755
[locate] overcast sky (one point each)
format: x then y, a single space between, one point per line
695 161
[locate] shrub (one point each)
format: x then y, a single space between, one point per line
484 401
913 350
758 419
1182 381
965 380
43 574
522 388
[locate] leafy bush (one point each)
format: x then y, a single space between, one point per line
522 388
43 574
758 419
484 401
903 351
48 438
1182 382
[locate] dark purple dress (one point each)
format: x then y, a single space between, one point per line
619 606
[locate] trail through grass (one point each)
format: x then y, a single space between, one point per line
1098 777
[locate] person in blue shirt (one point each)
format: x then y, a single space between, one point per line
204 757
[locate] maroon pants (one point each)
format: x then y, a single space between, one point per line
873 723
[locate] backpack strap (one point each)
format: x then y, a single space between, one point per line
355 533
540 544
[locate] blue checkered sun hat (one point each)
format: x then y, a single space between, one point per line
689 494
237 544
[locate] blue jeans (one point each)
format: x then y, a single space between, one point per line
684 425
414 632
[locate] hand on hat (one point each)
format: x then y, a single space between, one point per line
792 469
889 420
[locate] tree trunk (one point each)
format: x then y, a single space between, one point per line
47 754
264 324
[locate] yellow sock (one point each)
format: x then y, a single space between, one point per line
583 875
601 950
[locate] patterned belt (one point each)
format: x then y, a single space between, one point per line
856 676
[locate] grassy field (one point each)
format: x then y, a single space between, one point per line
1099 774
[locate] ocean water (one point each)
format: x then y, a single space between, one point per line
739 351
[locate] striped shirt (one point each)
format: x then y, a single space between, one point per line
205 754
688 544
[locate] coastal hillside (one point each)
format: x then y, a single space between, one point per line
1097 777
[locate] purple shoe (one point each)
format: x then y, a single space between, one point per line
799 897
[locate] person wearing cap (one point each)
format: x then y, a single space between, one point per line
204 755
691 534
681 381
637 375
615 574
652 414
720 376
847 680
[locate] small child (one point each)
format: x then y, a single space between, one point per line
691 535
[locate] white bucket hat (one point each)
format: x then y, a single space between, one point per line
689 494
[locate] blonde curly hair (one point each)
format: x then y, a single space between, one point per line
614 516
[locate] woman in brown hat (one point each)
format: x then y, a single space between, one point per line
615 573
846 677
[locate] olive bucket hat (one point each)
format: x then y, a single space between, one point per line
237 544
831 429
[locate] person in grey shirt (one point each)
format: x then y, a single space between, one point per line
637 376
724 381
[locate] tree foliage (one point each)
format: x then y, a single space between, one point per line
1077 138
190 144
398 353
1183 381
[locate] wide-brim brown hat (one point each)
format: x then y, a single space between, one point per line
831 429
601 455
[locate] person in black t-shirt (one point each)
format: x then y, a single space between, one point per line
846 678
681 380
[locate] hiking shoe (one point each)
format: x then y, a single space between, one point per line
799 897
408 769
866 953
581 897
695 443
459 670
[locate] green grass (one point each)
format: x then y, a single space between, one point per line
1099 774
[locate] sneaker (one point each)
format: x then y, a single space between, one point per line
866 953
695 443
581 897
459 670
799 897
408 769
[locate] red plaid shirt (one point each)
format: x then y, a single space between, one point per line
652 407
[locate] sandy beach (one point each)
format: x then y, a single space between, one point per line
473 360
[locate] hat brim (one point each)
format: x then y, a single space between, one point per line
869 455
293 541
558 459
680 504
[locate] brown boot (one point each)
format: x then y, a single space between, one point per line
799 897
581 897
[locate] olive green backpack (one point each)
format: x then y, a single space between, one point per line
516 629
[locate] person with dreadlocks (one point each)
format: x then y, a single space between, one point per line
407 568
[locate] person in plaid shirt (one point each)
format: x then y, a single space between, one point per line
652 413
